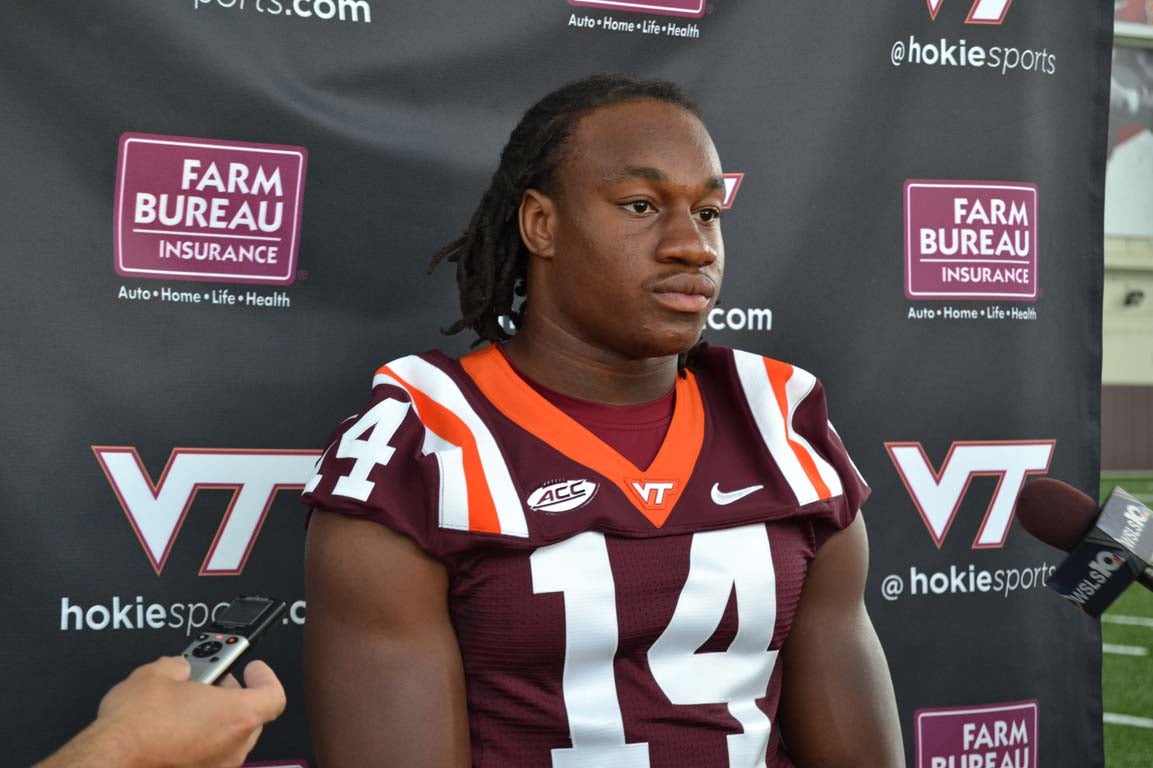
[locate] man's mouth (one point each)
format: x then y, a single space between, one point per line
685 293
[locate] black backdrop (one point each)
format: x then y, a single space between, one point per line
395 114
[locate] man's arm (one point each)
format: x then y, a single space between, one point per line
382 669
158 717
838 709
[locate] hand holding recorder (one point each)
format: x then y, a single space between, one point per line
163 714
230 636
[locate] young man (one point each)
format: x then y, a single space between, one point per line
593 542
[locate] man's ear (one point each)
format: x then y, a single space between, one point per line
537 219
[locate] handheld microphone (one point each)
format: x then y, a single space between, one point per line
1108 551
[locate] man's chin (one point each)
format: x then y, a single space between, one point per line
670 344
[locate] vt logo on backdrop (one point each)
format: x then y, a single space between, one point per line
937 494
156 510
994 54
982 12
989 733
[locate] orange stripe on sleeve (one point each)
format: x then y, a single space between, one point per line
482 515
779 374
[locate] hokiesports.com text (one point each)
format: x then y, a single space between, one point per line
962 581
942 52
134 613
356 11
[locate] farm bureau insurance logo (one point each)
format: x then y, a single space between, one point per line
208 210
996 735
692 9
970 240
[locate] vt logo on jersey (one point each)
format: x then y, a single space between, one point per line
982 12
562 495
654 494
938 494
156 511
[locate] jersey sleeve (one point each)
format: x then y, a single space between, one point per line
374 468
844 491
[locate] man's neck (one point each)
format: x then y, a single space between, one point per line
576 368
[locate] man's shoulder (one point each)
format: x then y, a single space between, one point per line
417 368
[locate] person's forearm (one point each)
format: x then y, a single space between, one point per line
97 746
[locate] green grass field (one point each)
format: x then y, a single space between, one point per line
1127 663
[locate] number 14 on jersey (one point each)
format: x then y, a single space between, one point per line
720 562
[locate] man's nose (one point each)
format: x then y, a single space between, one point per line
689 240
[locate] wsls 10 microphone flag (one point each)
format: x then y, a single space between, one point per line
1116 551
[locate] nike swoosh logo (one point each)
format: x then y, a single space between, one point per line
723 498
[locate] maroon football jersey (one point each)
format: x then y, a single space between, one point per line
607 614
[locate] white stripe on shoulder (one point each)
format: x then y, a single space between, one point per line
848 456
800 385
439 386
452 495
776 430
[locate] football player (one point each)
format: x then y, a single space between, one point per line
594 541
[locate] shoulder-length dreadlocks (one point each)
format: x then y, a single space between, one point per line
491 260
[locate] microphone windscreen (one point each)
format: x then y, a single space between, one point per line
1055 512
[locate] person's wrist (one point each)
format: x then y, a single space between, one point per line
117 742
97 746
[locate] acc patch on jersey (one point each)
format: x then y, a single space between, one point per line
562 495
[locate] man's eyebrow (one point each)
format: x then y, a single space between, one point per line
630 172
649 173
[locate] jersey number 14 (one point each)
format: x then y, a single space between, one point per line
720 562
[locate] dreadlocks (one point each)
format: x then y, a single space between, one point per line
491 261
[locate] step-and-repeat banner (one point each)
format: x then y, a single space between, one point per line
216 223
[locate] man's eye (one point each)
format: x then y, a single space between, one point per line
709 214
639 206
